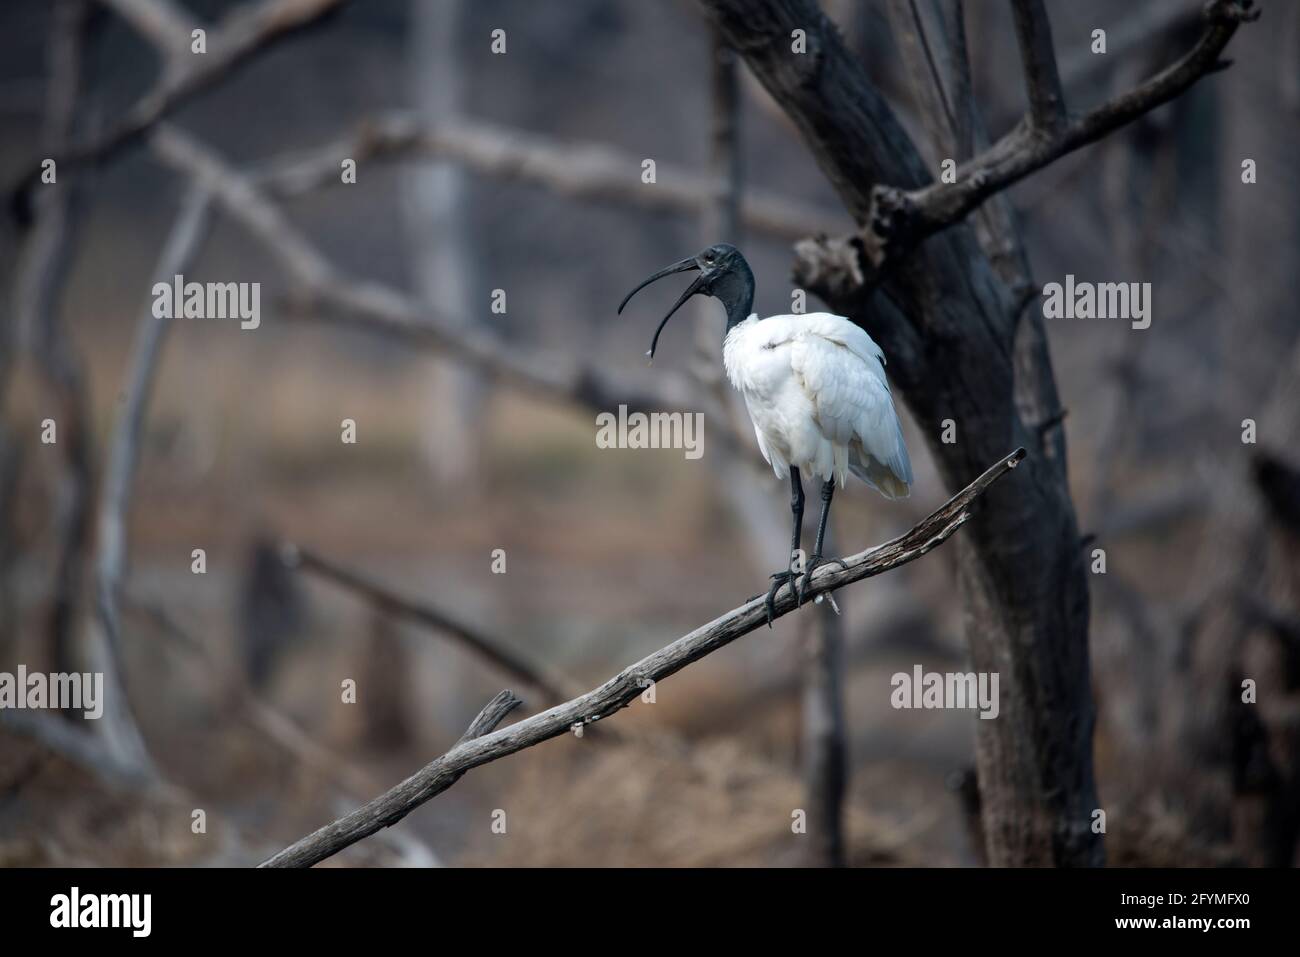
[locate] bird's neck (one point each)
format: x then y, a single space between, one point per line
738 299
738 311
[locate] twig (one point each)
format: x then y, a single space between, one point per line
621 690
1140 26
390 808
1042 80
553 689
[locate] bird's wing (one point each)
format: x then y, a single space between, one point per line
841 371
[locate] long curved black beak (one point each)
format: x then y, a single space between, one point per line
684 266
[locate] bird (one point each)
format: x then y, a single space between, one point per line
815 388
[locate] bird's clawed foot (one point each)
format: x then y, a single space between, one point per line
814 563
778 579
798 581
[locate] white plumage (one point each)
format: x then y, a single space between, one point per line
816 392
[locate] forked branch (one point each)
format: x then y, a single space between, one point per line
899 218
618 692
167 26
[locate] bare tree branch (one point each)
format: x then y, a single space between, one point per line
621 690
247 30
957 130
387 810
124 450
1081 69
584 171
1042 81
81 747
492 715
161 22
40 277
901 217
553 688
42 269
383 309
931 36
932 43
274 726
244 32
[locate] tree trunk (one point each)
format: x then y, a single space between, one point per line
824 745
948 326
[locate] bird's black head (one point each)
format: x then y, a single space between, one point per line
723 274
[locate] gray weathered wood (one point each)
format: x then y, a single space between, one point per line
618 692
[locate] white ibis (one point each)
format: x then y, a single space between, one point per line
815 389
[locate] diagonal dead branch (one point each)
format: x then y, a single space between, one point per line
621 690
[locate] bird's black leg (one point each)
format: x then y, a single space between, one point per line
828 490
780 578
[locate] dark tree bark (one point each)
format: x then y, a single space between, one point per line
948 311
824 741
948 325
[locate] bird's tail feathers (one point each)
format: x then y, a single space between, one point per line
880 477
